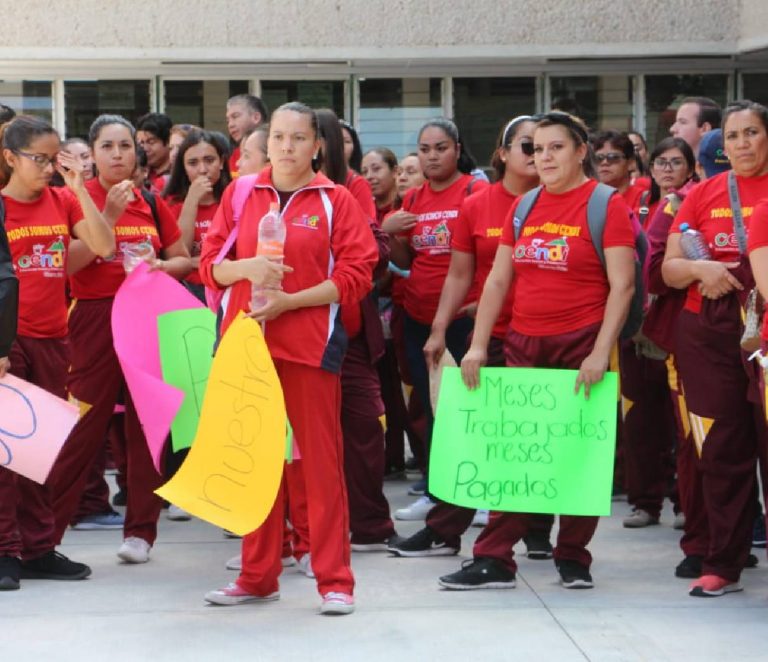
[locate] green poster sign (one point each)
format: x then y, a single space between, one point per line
186 339
525 442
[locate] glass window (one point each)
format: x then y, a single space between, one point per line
663 95
755 87
603 102
84 101
314 93
392 111
28 97
481 106
201 102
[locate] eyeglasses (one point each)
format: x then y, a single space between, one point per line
672 164
610 158
40 160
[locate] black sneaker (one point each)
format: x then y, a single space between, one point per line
538 547
376 545
574 575
689 567
53 565
10 573
120 498
758 532
423 543
751 562
479 573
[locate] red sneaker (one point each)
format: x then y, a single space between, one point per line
712 586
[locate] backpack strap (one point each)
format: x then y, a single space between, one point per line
150 199
644 208
471 184
738 215
523 209
597 213
243 187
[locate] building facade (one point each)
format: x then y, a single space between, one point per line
385 66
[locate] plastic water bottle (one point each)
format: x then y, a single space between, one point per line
693 244
270 244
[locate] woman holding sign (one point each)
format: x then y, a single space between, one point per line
422 231
39 222
567 312
722 398
332 252
475 240
95 377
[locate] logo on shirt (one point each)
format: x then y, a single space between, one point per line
493 232
44 259
551 254
433 237
726 240
306 221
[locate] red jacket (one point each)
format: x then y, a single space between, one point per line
327 236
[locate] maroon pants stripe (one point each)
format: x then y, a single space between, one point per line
95 378
649 428
503 532
717 390
26 513
695 538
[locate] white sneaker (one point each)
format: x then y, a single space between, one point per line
232 594
235 563
134 550
418 510
176 514
679 522
289 561
337 604
305 566
480 518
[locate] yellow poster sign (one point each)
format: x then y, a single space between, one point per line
233 471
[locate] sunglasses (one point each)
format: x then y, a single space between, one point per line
610 158
526 147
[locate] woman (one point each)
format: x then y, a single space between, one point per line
721 396
410 175
649 426
475 239
353 151
614 156
370 526
178 133
95 377
305 340
198 179
380 171
253 151
421 242
575 326
39 221
641 156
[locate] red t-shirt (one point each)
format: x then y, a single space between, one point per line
102 277
430 240
38 235
157 181
203 220
560 284
707 208
233 159
478 231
